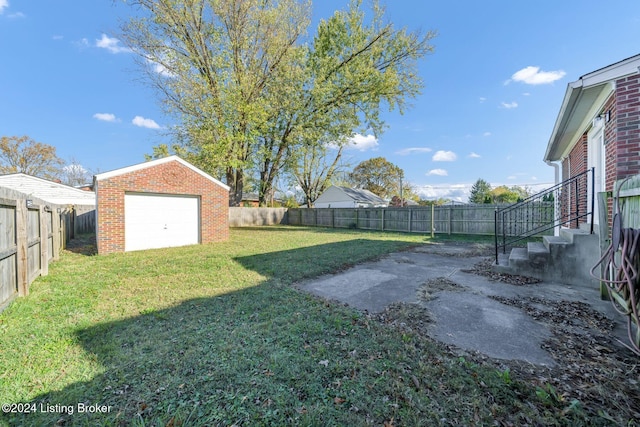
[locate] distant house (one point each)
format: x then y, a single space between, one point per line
251 200
345 197
49 191
598 127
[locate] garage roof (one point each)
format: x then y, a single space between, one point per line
46 190
152 163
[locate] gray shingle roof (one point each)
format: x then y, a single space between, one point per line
363 196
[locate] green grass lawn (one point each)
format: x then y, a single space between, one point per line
217 335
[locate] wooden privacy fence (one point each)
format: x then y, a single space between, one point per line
447 219
247 217
32 235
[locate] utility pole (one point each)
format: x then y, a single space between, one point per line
401 191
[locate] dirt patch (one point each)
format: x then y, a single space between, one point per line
484 268
408 317
428 290
83 244
596 380
593 369
456 249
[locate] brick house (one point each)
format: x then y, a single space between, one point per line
160 203
598 127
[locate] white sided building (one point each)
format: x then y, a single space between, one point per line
345 197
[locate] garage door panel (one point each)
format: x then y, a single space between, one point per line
159 221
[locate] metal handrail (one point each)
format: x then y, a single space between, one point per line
569 201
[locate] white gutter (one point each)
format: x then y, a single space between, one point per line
556 167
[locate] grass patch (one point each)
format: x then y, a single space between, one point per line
216 335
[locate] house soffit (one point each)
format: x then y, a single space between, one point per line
582 102
577 121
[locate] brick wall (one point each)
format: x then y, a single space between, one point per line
610 138
165 178
627 150
574 164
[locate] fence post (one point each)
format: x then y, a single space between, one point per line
21 250
55 225
356 211
44 242
433 220
333 218
450 220
383 210
495 233
410 217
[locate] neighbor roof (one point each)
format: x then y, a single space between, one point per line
581 100
361 195
46 190
157 162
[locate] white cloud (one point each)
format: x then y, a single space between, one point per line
461 192
159 68
105 117
457 192
486 134
111 44
407 151
82 43
75 169
509 105
534 76
437 172
363 142
357 142
145 123
474 155
482 99
3 5
444 156
57 37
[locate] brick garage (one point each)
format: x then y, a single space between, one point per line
164 202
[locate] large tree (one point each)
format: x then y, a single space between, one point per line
25 155
504 194
480 192
214 62
249 91
313 168
379 176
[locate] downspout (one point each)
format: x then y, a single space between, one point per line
556 167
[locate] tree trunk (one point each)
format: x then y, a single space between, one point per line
235 180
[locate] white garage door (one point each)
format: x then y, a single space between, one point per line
160 221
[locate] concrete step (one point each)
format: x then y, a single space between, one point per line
518 255
503 264
566 258
572 235
538 254
550 241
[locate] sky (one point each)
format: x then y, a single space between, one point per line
493 85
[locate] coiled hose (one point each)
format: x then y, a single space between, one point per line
621 276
